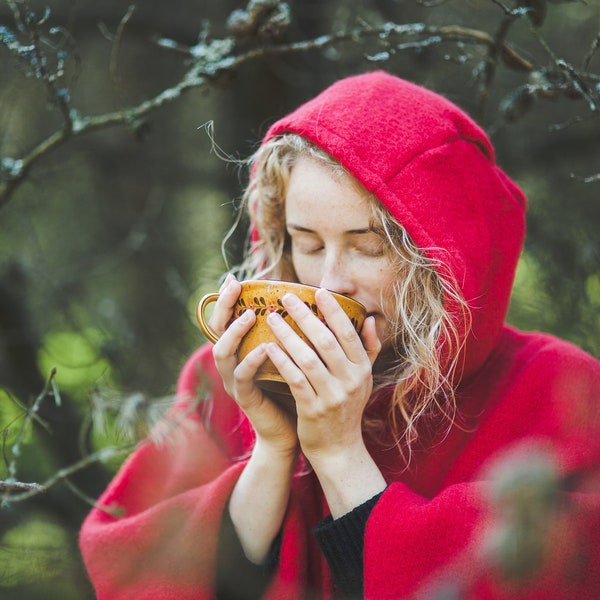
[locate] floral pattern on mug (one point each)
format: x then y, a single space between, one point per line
261 306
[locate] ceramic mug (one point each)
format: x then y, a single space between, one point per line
263 296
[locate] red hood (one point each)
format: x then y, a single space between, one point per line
435 171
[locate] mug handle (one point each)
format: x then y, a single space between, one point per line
204 326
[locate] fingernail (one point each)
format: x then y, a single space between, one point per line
246 315
274 319
273 348
291 300
324 295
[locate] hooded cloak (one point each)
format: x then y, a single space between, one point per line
434 525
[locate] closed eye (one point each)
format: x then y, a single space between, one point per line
370 244
304 240
306 248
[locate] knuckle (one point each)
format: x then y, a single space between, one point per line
311 362
347 334
295 380
219 353
326 341
356 382
353 386
236 374
336 402
240 374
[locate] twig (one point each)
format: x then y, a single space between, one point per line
15 491
30 415
590 54
114 511
491 61
211 60
570 73
27 23
8 487
114 55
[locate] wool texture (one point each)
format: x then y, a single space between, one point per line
438 527
434 169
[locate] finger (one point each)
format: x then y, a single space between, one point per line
226 347
293 375
230 277
223 310
336 341
245 372
301 363
370 339
341 325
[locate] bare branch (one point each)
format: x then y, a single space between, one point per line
214 58
15 491
488 69
114 55
30 415
48 67
572 75
590 54
8 487
138 417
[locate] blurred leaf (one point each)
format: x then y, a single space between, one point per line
76 357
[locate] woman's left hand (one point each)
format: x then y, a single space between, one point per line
331 385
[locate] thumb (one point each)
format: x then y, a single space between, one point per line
370 339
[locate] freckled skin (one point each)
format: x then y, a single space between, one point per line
328 220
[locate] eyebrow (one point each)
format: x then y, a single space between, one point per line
350 231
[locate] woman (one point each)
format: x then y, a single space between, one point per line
382 483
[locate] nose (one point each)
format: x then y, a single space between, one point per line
337 275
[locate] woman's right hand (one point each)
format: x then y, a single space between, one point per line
275 428
259 499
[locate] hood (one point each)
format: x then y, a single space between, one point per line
434 169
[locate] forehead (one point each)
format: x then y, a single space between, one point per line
318 195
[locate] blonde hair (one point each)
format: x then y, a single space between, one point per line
426 335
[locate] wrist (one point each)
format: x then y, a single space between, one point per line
274 453
259 499
348 479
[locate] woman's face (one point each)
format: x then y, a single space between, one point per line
333 245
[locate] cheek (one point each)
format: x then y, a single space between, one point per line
382 288
307 271
381 280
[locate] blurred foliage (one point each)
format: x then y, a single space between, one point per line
110 238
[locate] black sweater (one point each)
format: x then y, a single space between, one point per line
341 541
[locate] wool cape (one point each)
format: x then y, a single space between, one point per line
526 400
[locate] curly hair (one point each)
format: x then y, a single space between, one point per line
425 335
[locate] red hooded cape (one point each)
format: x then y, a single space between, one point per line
437 522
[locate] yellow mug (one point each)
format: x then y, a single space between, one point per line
263 296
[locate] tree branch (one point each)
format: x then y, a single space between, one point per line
17 491
215 58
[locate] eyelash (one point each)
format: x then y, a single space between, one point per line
370 253
307 250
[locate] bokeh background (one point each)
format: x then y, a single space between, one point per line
111 238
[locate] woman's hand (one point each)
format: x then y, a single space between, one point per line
259 499
331 385
273 426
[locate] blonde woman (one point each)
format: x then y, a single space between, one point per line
377 485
